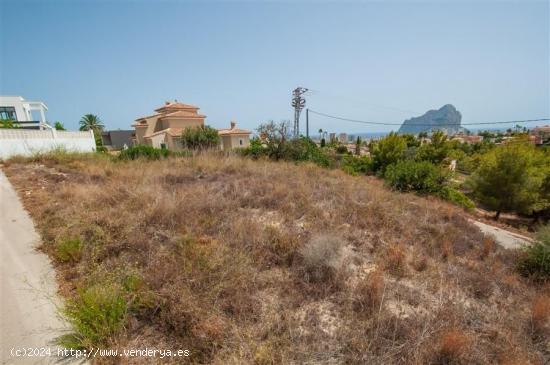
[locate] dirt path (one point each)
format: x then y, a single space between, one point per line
28 315
506 239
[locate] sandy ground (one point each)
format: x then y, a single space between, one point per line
28 314
506 239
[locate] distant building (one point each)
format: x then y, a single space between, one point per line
234 137
540 135
343 137
469 139
116 140
332 137
19 110
165 128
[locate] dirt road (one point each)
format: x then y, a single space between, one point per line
28 315
504 238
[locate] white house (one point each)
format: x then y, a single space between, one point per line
28 114
31 134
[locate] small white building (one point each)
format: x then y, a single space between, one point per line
28 114
32 135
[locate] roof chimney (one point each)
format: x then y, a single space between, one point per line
233 124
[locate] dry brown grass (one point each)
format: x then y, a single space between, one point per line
253 261
395 260
453 346
367 296
540 315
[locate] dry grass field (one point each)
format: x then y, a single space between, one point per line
244 261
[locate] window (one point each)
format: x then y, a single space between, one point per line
7 113
163 146
241 142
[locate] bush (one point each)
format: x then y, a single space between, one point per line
68 250
354 165
302 149
456 197
540 314
199 138
255 149
387 151
453 345
96 314
341 149
536 260
143 151
420 176
322 258
368 293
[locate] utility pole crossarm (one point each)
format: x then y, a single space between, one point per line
298 103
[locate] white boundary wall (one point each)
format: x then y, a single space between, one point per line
27 142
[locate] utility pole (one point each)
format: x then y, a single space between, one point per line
298 103
307 122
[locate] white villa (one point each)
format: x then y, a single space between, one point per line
30 133
28 114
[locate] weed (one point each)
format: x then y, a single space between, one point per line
395 260
322 257
96 314
68 249
368 293
453 345
536 259
540 314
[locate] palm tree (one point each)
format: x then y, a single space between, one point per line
91 122
320 134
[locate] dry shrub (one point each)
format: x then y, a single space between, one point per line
420 263
281 246
477 282
322 258
487 246
540 314
454 344
395 261
446 250
368 293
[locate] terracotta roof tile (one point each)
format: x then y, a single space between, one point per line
184 114
223 132
174 132
176 106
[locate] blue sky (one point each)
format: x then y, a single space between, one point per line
376 61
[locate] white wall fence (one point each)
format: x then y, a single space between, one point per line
27 142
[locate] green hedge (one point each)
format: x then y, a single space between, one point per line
143 151
420 176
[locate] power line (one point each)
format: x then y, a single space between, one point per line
426 125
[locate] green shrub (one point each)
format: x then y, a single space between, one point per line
341 149
201 137
68 250
143 151
387 151
456 197
355 165
304 149
420 176
536 259
96 314
255 149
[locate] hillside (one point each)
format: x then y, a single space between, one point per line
244 261
445 118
